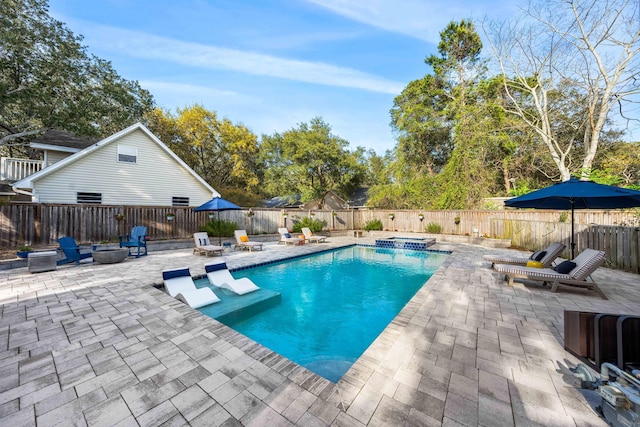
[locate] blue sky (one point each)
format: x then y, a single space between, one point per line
272 64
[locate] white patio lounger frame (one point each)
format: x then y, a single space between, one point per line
204 246
288 240
308 235
245 245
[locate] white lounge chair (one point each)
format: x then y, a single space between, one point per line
287 239
204 246
242 241
220 276
576 274
179 284
546 256
308 235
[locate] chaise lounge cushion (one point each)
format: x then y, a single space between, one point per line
548 256
537 255
565 267
172 274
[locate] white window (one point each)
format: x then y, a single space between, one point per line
127 154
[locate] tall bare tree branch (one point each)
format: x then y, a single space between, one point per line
591 46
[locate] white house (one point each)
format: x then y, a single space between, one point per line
131 167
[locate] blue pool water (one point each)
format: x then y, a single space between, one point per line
334 304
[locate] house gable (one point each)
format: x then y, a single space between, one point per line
329 201
155 177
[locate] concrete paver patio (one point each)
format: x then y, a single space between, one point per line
98 345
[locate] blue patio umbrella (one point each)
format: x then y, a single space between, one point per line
217 204
577 194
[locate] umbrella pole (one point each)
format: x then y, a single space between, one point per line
573 244
219 238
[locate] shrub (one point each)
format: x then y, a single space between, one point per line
315 225
433 228
373 224
226 228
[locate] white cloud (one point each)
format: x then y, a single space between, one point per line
421 19
147 46
300 40
186 89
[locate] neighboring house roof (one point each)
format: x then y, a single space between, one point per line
283 202
359 197
28 181
329 200
60 140
5 190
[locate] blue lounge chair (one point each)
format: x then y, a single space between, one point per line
71 251
137 239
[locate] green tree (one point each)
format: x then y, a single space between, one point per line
48 80
377 168
459 61
622 161
464 178
310 160
222 153
423 128
456 145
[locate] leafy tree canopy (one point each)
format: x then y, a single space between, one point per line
48 80
310 160
221 152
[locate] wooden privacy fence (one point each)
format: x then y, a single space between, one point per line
42 224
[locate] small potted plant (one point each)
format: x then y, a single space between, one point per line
171 216
23 251
421 216
250 213
119 216
285 214
334 213
391 216
456 220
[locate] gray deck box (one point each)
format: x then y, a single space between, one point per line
42 261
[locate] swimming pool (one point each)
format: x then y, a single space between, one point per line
334 304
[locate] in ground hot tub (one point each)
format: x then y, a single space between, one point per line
414 243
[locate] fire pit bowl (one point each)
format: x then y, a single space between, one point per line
110 256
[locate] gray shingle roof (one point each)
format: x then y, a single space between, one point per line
61 138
